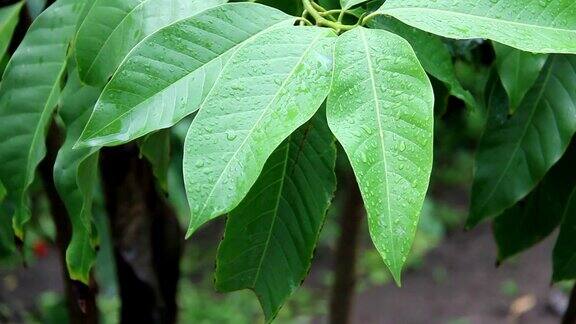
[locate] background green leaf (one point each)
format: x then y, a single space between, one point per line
518 71
155 148
2 192
381 110
28 94
75 175
174 69
270 237
564 254
347 4
514 154
536 216
432 53
272 85
8 20
113 27
532 26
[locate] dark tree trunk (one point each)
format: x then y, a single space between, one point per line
80 299
346 255
570 314
146 235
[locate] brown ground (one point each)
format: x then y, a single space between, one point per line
471 291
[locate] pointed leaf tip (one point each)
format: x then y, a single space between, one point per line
388 142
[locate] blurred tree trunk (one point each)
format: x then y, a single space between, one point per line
346 255
146 235
80 299
570 314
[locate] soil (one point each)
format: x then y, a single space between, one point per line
472 288
458 283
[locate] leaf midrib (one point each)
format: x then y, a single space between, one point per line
96 57
521 138
408 9
231 50
381 137
264 111
275 216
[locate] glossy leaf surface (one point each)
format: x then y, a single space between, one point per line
515 153
270 237
533 26
168 75
8 20
271 86
536 216
28 94
113 27
518 71
431 52
381 110
75 176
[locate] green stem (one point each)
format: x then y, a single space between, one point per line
341 16
321 21
365 20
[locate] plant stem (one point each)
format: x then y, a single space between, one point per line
346 256
570 314
320 20
147 238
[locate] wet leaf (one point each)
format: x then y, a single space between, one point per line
431 52
381 110
270 237
113 27
514 154
174 69
518 71
533 26
28 94
75 176
272 85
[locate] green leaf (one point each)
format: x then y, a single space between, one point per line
518 71
534 218
347 4
564 254
75 176
272 85
381 110
28 95
7 245
113 27
9 16
270 237
35 7
432 53
174 69
155 148
514 154
2 192
532 26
